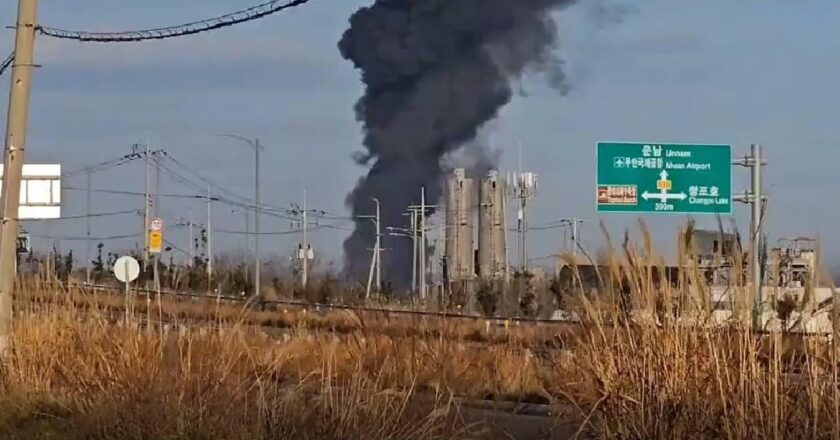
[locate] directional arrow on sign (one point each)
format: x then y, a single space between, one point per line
664 196
663 175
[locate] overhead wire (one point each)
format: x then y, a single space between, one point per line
82 238
202 178
99 214
195 27
134 193
108 164
7 62
233 199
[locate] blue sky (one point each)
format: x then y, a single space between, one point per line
707 71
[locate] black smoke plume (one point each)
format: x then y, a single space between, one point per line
435 72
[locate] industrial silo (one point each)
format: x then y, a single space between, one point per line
492 238
460 225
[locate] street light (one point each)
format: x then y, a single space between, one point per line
255 144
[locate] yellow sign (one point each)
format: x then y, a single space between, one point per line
664 185
155 242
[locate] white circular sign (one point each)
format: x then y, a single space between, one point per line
156 225
127 269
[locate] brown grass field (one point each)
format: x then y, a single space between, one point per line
76 372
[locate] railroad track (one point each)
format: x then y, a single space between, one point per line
316 307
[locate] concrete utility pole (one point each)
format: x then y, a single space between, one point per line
255 144
147 201
157 214
756 198
574 224
423 291
15 147
191 245
419 212
378 249
257 265
87 231
375 261
305 273
414 251
209 240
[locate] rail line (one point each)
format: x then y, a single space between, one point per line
268 305
315 307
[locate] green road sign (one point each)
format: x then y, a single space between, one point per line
664 178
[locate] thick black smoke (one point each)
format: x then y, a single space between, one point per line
435 72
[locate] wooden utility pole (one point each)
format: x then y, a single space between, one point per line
15 147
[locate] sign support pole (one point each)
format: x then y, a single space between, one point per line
756 198
127 296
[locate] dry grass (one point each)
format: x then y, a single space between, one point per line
649 374
72 379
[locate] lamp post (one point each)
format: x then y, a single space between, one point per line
255 144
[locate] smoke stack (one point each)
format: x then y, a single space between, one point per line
460 227
435 71
492 237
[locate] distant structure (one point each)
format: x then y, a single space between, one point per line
492 230
460 226
794 263
715 254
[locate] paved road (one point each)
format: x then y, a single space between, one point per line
529 423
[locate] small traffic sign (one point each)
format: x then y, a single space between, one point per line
126 269
664 178
155 242
156 225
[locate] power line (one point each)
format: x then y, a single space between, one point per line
198 176
196 27
7 62
100 214
134 193
236 201
74 238
230 232
105 165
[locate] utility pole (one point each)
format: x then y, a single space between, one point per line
419 229
376 256
157 211
146 202
423 243
756 198
414 251
378 249
257 265
305 272
87 231
157 214
209 240
255 144
523 234
573 224
14 155
191 244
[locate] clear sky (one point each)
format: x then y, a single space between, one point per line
708 71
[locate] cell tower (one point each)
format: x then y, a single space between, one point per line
524 187
492 225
